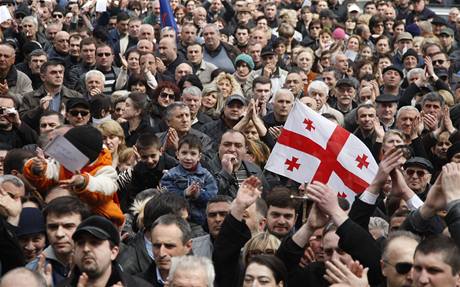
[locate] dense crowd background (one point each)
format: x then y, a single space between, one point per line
177 123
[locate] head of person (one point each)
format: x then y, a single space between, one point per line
182 70
195 53
22 277
392 76
266 270
234 108
433 104
94 81
340 62
123 23
97 244
148 146
216 210
331 246
305 59
398 258
438 253
88 51
365 117
62 216
178 117
386 107
14 161
31 233
135 106
113 136
61 42
417 173
405 119
330 77
134 27
261 87
30 27
443 144
233 142
166 93
261 243
145 46
211 37
167 50
52 73
100 108
77 112
49 121
7 105
104 57
191 96
35 60
168 32
189 152
74 45
281 213
171 236
319 91
191 271
244 65
118 106
227 84
282 104
345 92
294 83
146 32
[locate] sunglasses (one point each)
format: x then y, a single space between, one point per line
401 267
411 172
166 95
58 16
104 54
220 213
75 113
438 62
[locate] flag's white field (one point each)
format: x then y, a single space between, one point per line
308 139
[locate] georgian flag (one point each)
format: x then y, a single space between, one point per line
312 148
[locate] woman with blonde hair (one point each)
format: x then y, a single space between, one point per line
211 100
113 138
227 85
261 243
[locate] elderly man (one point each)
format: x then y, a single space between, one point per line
167 50
179 122
201 68
406 120
182 70
61 45
191 271
319 91
217 52
387 105
30 30
52 95
145 46
94 83
146 32
191 96
12 82
417 173
345 94
188 36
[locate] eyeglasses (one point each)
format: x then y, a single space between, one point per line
104 54
220 213
411 172
58 16
75 113
401 267
438 62
166 95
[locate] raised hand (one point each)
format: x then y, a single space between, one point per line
326 200
172 141
435 200
82 280
451 181
45 101
247 195
124 63
339 273
228 162
46 270
391 160
11 205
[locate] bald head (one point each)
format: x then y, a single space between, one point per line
167 50
61 42
22 277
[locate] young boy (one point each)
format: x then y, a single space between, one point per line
146 173
190 180
94 184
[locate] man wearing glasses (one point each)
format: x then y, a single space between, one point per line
104 63
417 173
398 258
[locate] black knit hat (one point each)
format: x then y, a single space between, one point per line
86 139
453 150
410 52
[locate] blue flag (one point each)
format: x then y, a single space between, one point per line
167 16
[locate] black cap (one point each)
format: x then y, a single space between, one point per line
419 162
387 98
99 227
86 139
346 82
437 20
453 150
236 97
31 221
267 51
73 102
410 52
327 13
394 68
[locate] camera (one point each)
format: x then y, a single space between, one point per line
7 111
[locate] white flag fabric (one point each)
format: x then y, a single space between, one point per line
313 148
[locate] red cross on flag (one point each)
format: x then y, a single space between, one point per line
312 148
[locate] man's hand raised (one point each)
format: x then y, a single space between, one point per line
326 200
247 194
451 181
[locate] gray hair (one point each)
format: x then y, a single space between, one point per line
30 19
173 106
182 224
319 86
214 26
194 91
94 73
405 109
192 263
416 71
16 181
379 223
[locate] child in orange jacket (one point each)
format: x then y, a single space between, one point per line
94 184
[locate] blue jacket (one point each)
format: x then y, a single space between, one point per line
178 179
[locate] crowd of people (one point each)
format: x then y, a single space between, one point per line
176 124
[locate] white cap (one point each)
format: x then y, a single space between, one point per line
354 7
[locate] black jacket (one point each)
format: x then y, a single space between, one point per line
18 136
131 137
134 258
117 276
11 255
150 275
